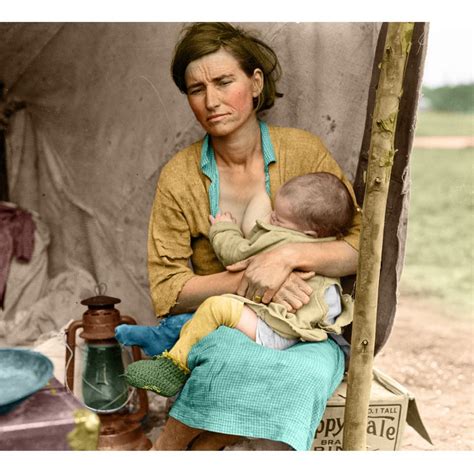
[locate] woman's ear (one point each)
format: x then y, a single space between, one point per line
257 79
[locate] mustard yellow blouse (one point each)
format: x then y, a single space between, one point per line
178 244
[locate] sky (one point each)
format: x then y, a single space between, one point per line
450 55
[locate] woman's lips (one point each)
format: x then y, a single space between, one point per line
215 118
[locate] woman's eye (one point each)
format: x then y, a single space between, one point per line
194 91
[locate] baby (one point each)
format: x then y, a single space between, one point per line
309 208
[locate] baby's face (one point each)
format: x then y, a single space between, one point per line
282 214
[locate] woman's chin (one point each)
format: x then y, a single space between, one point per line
224 126
219 129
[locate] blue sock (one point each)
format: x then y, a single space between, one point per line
153 339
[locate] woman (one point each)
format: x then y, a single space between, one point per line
228 77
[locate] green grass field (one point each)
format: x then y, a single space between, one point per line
440 244
444 123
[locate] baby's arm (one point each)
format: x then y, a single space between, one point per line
227 239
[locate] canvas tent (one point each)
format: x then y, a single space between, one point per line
102 116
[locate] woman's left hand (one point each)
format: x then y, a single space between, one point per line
265 274
295 292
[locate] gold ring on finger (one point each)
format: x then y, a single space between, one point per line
257 299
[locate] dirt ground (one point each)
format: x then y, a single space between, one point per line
444 142
430 352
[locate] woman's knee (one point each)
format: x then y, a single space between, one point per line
176 436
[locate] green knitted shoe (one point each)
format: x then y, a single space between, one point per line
161 375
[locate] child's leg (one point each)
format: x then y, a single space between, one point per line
214 312
167 373
248 322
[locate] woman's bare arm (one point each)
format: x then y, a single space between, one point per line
198 288
332 259
265 273
273 275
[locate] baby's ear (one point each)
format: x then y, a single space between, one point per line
312 233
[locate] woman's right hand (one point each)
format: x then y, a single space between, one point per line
268 277
292 293
295 292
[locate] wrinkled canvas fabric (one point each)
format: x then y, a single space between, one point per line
27 280
36 304
60 301
103 116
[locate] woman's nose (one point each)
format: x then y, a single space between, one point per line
212 98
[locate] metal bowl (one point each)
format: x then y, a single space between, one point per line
22 373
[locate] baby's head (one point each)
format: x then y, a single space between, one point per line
317 204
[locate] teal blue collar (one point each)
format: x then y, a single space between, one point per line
209 165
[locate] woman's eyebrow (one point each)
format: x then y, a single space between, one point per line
222 76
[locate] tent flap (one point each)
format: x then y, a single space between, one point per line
103 116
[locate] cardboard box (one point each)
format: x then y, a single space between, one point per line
44 421
391 406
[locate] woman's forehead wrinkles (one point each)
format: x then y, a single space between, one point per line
211 67
208 72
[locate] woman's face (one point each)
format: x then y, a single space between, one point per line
220 93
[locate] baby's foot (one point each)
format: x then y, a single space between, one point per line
162 375
153 339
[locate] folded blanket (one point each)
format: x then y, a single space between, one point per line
239 387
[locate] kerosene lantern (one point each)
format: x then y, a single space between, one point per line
104 389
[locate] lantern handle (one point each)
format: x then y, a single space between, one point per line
127 319
142 396
101 289
71 345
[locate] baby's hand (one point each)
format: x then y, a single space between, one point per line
222 217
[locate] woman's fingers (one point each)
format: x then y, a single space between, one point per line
242 289
239 266
293 300
253 292
299 280
295 292
264 287
263 275
304 275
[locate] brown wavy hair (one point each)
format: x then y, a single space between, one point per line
201 39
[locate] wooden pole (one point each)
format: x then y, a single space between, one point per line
381 154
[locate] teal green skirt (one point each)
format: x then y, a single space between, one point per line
241 388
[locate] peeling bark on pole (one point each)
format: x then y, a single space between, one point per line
381 154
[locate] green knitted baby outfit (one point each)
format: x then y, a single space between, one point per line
162 375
